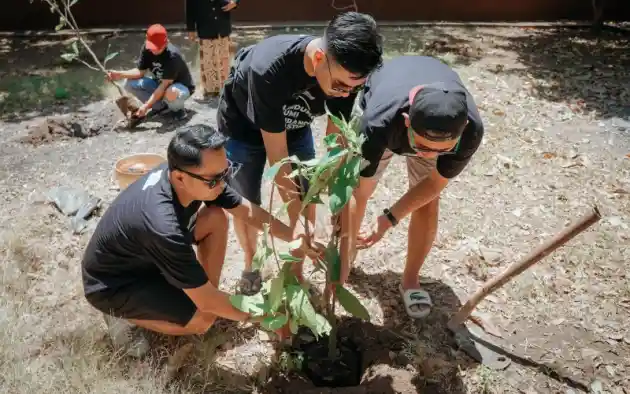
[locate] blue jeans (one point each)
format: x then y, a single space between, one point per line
144 87
248 181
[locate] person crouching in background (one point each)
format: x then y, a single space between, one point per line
209 22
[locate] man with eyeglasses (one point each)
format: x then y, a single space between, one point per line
140 268
417 107
268 101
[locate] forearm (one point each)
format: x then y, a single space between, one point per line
221 306
289 193
257 217
156 96
132 74
419 195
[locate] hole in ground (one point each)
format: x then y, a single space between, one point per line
345 369
366 364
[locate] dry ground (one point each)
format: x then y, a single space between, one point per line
554 104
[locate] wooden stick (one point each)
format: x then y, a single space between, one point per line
516 268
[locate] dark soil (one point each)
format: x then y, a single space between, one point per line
343 370
360 342
76 125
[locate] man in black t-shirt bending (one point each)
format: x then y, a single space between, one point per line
140 267
262 98
417 107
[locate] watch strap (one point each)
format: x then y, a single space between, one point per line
390 216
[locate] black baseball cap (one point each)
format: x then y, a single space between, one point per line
438 111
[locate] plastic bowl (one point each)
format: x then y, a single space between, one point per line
130 168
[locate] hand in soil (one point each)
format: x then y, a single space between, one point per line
313 249
141 112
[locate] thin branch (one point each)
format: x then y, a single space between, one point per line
68 17
88 65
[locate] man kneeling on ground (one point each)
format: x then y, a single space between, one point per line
417 107
171 83
140 268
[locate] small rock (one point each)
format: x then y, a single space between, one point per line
615 336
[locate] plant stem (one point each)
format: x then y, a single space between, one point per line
69 18
332 339
273 240
331 307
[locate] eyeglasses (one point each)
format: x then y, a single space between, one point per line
229 172
339 86
418 149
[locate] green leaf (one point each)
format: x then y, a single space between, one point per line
263 252
322 326
311 162
301 307
351 304
342 185
276 291
110 57
271 172
254 304
331 140
333 262
286 257
68 56
273 323
75 47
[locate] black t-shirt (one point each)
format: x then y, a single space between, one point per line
169 65
269 89
147 232
386 97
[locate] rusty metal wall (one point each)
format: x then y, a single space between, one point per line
22 15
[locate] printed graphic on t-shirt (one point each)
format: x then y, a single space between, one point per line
152 179
158 70
297 114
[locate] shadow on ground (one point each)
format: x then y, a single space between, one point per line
461 49
589 71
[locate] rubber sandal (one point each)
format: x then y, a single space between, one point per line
416 297
250 283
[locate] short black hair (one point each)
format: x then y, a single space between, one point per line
354 42
184 150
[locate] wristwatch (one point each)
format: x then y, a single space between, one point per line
390 216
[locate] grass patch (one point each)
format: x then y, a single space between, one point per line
47 88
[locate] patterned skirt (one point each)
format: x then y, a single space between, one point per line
214 60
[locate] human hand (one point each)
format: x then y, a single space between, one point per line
229 6
377 232
114 76
142 111
307 247
192 36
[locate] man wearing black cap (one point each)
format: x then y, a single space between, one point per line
417 107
